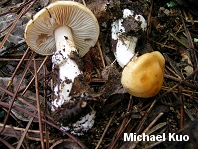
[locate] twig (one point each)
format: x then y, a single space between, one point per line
145 117
187 93
123 126
119 134
132 146
18 131
24 133
149 20
101 55
178 40
180 82
17 9
12 27
181 107
2 3
6 143
24 101
34 75
106 128
184 82
15 94
15 71
190 42
46 108
174 66
163 45
84 2
19 59
38 105
50 123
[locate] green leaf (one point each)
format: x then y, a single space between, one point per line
195 39
171 4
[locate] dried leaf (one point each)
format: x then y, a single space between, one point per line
113 84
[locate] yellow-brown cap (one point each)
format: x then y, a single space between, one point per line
144 76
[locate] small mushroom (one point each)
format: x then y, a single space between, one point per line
66 30
142 76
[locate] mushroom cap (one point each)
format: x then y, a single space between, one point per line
39 32
144 76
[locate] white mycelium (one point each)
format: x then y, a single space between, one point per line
125 48
85 123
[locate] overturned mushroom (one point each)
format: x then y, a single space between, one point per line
66 30
142 76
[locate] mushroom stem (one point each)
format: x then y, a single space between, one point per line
68 69
60 29
124 45
64 40
125 50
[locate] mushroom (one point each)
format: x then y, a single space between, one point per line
142 76
66 30
63 28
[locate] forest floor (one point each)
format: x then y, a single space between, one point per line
172 30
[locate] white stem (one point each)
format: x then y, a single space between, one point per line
125 47
64 40
125 50
68 69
